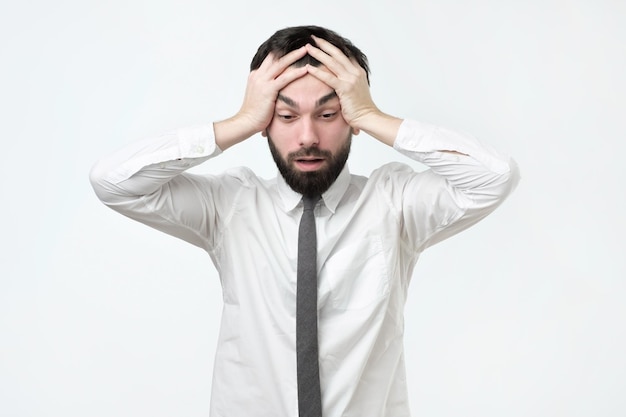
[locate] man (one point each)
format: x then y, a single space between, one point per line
308 93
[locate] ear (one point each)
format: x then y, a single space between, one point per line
355 131
264 133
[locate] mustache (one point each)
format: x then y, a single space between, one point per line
310 151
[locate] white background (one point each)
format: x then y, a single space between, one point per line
522 315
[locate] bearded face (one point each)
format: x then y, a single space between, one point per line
311 183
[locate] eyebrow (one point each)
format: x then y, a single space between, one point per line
326 99
320 102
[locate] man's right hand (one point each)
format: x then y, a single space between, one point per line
262 90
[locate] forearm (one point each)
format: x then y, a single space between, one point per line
380 126
469 166
144 166
232 131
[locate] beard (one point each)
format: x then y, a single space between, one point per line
311 183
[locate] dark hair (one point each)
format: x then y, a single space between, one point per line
289 39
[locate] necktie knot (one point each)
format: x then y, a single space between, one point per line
309 202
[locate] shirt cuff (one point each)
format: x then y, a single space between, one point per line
197 142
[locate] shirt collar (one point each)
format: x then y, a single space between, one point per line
331 197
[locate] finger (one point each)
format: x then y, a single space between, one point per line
267 62
279 65
288 76
330 62
332 50
272 66
326 77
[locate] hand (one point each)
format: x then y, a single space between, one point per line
346 77
262 90
265 83
349 80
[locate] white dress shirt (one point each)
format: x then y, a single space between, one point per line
370 232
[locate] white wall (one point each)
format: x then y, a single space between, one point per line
523 315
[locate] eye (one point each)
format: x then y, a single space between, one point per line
286 117
328 115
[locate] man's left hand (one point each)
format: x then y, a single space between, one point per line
346 77
349 80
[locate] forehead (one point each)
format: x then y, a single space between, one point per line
306 90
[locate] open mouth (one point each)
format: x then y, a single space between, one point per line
309 159
308 163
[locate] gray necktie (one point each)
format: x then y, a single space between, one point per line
309 396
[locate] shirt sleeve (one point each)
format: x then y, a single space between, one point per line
146 181
458 190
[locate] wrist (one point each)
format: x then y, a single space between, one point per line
231 131
379 125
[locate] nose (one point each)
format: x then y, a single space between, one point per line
308 133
